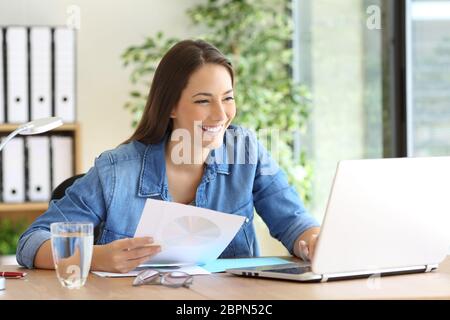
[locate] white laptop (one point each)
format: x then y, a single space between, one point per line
384 217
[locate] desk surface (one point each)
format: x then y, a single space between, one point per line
42 284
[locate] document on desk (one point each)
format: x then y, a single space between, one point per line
192 270
188 235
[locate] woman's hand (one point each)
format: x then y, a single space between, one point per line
123 255
306 244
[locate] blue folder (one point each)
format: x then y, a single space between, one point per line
220 265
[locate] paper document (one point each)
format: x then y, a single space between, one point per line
192 270
187 234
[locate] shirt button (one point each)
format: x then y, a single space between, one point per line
247 220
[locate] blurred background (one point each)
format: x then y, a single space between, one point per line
340 79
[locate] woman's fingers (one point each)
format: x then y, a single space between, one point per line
304 251
307 250
126 265
130 259
133 264
142 252
127 254
131 243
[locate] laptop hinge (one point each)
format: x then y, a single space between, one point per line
430 267
324 278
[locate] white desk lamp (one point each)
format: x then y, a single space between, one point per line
34 127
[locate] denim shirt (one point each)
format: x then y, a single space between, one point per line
239 176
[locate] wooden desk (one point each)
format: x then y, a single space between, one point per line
42 284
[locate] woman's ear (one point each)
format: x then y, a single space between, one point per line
173 113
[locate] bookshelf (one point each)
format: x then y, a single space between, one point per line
31 210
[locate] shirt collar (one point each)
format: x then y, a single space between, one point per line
153 179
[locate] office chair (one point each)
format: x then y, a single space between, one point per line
60 191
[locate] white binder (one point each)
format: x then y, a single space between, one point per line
17 74
38 168
62 159
40 60
64 41
2 87
13 166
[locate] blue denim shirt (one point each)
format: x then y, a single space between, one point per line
238 177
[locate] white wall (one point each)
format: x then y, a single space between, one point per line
106 29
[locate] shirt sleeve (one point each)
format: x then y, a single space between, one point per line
84 201
278 203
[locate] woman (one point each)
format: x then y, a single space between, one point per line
178 153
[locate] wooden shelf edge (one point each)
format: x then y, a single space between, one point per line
29 206
9 127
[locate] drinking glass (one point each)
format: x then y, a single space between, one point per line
72 245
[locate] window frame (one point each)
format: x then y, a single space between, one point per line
395 72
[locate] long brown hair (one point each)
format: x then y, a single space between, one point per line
170 78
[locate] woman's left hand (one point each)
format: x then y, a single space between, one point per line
306 244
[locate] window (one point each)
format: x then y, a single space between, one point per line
340 59
428 77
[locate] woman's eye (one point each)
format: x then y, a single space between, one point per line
201 101
229 98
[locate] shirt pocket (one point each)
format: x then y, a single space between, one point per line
250 235
242 244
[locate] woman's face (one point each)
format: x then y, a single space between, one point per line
206 107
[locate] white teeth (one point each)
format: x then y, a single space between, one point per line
212 129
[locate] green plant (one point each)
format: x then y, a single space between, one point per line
256 36
10 232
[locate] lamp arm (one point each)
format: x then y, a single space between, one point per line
12 135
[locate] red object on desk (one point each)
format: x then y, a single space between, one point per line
12 274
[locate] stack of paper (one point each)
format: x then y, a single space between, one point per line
187 234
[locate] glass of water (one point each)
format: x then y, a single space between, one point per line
72 245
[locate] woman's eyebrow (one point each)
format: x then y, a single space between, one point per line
210 94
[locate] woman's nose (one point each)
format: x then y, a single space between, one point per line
218 113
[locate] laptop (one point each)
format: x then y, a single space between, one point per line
383 217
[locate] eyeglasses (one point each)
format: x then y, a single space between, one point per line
174 279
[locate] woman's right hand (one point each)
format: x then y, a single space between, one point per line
123 255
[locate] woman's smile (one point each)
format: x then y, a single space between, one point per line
212 129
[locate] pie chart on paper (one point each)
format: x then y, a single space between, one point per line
190 231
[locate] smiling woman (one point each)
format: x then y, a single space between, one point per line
191 97
177 81
213 109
